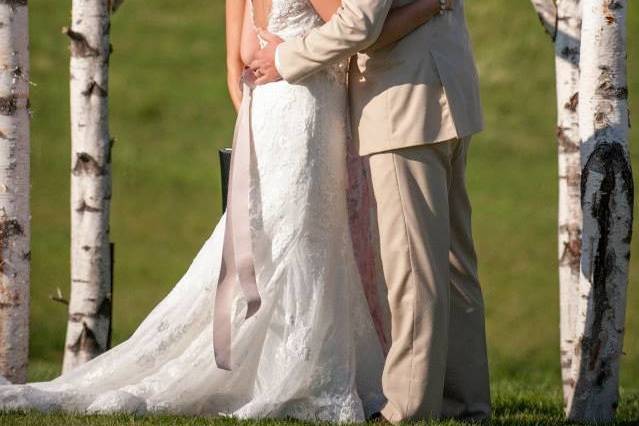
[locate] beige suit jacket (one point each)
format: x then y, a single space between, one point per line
421 89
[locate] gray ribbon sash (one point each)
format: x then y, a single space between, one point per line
238 264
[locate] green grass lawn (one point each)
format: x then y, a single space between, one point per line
170 114
514 404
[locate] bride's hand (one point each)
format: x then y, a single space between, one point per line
264 63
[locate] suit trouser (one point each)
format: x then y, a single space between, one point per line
437 364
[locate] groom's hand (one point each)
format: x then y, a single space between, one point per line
264 63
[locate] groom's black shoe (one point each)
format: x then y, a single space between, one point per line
377 418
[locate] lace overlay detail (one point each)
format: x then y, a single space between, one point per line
311 351
292 18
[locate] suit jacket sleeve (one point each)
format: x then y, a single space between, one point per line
355 26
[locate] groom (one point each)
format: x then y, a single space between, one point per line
414 107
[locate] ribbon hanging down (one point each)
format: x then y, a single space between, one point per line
238 263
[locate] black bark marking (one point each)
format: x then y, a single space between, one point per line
613 5
10 298
14 3
86 342
9 228
8 105
565 143
573 103
571 254
114 5
571 54
565 363
85 165
84 207
606 88
80 46
608 160
602 123
17 72
104 310
111 143
76 317
95 88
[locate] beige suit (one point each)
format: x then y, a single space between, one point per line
404 98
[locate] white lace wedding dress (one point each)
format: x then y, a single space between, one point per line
311 352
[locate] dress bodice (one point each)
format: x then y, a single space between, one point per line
292 18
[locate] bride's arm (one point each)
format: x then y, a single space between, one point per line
241 45
234 16
250 42
400 22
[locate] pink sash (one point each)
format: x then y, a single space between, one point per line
237 254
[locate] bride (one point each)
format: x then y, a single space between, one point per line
311 350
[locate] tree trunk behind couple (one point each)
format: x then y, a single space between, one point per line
595 198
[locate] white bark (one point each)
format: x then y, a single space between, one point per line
567 47
14 190
562 20
90 301
607 202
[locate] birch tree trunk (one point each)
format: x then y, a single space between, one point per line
15 229
90 300
567 49
607 201
562 20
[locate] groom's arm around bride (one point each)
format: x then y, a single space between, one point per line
414 106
